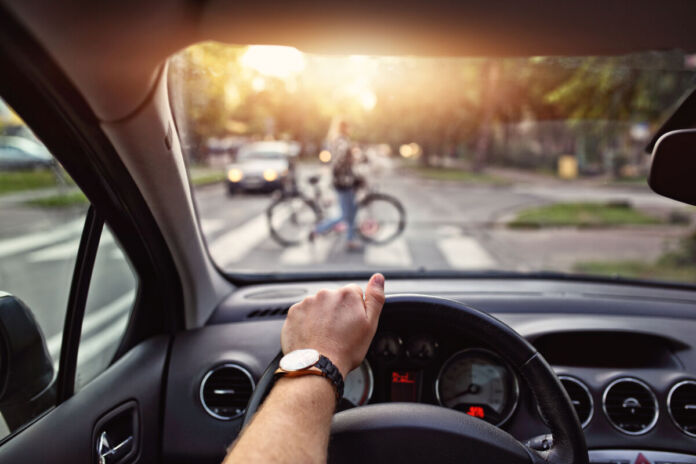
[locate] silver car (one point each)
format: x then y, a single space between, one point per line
260 166
19 153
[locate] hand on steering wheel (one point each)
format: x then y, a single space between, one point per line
410 433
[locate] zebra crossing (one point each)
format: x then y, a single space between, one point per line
250 245
246 245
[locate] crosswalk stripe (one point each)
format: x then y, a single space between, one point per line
395 253
464 252
104 339
59 252
308 253
238 242
120 305
211 226
13 246
65 250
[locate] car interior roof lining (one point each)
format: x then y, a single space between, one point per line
126 41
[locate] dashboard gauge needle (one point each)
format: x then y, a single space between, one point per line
472 389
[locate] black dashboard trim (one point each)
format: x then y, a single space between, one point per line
532 308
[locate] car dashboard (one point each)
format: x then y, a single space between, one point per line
623 352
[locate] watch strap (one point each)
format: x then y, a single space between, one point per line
332 373
323 367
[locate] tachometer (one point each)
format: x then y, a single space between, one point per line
387 346
358 385
479 383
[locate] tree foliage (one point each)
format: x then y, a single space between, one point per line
446 105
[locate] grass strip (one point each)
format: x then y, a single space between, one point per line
65 200
18 181
204 176
457 175
587 215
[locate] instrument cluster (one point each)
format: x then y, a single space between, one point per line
421 367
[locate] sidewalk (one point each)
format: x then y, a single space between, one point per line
18 219
521 176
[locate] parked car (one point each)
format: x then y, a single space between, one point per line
17 153
260 166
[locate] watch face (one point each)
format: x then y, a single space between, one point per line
299 359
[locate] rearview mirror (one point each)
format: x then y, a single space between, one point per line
673 167
26 369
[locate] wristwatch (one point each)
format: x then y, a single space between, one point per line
310 362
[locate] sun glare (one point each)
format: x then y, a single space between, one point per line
275 61
368 99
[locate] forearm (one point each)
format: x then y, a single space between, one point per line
292 425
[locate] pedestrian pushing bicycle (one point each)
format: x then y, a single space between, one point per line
373 217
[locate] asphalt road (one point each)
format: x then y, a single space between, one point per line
37 266
449 226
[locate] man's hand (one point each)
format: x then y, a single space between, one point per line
339 324
294 422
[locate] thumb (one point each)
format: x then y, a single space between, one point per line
374 297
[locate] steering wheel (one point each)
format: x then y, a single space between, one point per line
411 433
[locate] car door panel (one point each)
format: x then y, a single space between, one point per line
67 433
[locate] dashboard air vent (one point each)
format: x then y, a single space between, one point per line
630 406
225 391
681 403
281 311
581 398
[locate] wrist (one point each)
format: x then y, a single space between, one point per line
342 365
310 385
308 361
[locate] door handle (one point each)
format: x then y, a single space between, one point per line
107 454
115 438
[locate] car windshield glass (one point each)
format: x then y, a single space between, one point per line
431 164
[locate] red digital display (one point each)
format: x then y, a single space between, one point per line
405 385
476 411
406 377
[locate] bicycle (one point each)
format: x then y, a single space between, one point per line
379 219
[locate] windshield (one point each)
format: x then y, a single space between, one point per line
432 164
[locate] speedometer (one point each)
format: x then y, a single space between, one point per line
479 383
358 385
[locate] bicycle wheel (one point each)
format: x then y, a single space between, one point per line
380 218
291 218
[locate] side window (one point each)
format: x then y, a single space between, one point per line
42 216
109 302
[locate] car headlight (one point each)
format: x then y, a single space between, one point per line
235 175
270 175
